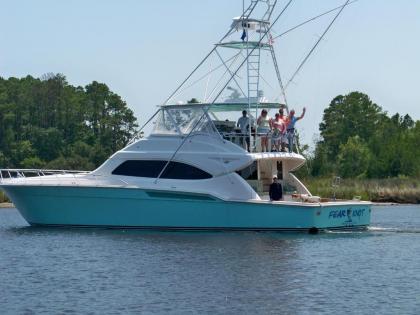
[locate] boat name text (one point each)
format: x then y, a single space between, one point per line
336 214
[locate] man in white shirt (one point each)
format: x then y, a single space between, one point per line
244 124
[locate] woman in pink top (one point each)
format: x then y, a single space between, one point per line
279 128
284 140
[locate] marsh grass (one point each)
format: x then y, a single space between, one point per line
3 197
400 190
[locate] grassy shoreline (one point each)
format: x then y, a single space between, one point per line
394 190
4 201
6 205
3 198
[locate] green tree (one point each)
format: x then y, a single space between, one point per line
111 121
355 128
32 162
320 163
354 158
48 142
347 116
20 151
48 121
392 147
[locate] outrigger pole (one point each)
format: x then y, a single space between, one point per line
313 19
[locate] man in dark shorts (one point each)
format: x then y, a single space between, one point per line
244 123
276 191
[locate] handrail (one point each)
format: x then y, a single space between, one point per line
231 136
299 185
14 173
41 170
42 173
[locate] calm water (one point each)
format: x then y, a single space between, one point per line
61 271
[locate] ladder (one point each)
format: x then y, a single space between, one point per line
246 14
253 78
253 73
270 8
254 56
254 61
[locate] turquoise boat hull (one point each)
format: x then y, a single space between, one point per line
137 208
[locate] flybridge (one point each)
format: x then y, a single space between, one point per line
235 64
255 38
183 119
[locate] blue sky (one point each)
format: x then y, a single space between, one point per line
142 49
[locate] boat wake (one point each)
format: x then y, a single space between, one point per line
412 230
378 229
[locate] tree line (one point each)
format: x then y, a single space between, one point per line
48 123
358 139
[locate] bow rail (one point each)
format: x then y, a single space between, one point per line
18 176
14 173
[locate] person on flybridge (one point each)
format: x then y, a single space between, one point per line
244 123
284 141
264 129
278 133
290 122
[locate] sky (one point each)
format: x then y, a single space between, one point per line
143 49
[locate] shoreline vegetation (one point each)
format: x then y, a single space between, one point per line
3 199
48 123
390 190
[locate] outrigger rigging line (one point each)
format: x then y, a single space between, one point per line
313 19
316 44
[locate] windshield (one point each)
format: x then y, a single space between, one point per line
182 120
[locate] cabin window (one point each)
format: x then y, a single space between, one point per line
250 172
152 168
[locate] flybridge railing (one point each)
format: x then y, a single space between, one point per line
244 140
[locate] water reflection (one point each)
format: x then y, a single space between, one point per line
58 270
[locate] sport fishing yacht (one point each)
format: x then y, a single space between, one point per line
192 171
